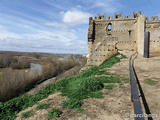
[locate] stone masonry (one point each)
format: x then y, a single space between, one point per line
107 36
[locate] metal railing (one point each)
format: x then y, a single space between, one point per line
137 92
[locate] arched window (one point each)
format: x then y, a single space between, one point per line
109 27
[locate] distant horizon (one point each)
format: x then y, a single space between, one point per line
45 52
60 26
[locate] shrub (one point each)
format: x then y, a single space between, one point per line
5 61
20 65
15 82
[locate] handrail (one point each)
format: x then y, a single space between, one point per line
135 97
134 92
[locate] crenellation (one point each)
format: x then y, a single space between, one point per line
154 18
135 15
127 17
117 16
146 18
100 17
109 18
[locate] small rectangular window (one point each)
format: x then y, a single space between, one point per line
129 32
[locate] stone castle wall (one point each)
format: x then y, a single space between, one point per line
154 28
107 36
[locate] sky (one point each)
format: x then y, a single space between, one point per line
58 26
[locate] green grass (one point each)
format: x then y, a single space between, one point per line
149 82
27 114
50 99
53 113
121 85
125 80
76 88
110 87
42 106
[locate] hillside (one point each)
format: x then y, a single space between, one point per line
84 96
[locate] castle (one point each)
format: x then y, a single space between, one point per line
136 33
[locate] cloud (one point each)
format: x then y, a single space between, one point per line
47 26
109 6
56 24
43 41
4 34
76 17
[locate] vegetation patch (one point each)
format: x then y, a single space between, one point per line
42 106
121 85
50 99
125 80
27 114
76 88
110 87
53 113
150 82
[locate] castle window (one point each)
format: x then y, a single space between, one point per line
129 32
109 27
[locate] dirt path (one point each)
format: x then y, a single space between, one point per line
149 69
146 69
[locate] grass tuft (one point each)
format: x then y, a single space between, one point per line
42 106
27 114
149 82
53 113
110 87
125 80
72 103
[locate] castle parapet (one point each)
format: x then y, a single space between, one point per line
120 17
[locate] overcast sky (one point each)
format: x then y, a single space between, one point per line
58 26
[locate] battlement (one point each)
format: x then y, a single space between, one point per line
102 17
152 19
127 17
116 16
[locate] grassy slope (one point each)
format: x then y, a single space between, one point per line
86 84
